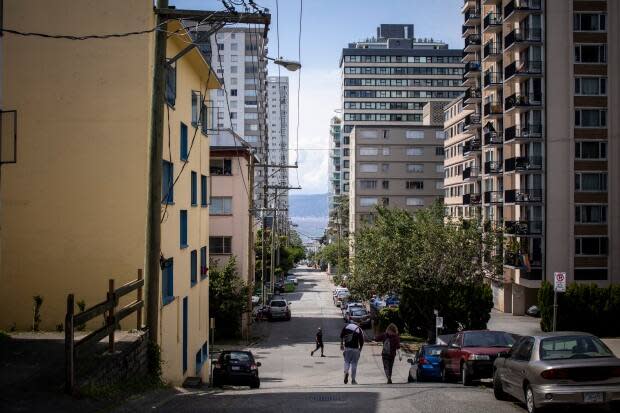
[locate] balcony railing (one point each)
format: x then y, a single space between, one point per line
467 27
493 197
471 172
523 196
493 167
472 119
493 138
473 40
493 108
492 48
532 131
472 14
521 5
473 66
524 163
472 199
527 100
473 93
523 227
492 19
522 36
472 145
492 78
523 67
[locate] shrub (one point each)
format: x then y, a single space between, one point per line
583 307
391 315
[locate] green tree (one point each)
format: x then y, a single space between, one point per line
228 299
336 253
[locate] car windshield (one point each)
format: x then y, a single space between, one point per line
278 304
487 339
236 356
573 347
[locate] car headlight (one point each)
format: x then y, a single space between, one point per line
479 357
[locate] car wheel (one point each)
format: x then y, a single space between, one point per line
530 403
255 384
498 389
465 376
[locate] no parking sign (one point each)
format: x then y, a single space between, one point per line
559 282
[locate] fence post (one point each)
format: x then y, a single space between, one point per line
69 351
139 312
111 321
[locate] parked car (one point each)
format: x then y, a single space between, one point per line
349 305
292 279
426 364
337 289
279 308
377 303
358 315
341 295
470 354
237 368
392 301
278 287
561 368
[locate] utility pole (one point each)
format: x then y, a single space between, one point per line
154 190
339 237
274 229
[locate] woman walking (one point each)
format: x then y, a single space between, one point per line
391 343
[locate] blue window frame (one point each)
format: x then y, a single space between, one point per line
194 188
193 267
184 144
185 333
167 178
183 228
203 191
167 282
203 263
198 361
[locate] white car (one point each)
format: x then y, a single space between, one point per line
255 299
341 296
350 306
279 308
292 278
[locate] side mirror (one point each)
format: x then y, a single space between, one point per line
258 364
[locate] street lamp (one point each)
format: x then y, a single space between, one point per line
289 65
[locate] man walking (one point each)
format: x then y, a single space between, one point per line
319 343
351 342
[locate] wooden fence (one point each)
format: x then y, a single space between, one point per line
112 317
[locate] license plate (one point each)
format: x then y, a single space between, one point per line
594 397
236 368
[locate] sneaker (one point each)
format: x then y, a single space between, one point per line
346 378
322 355
353 381
389 381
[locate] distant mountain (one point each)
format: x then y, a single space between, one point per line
311 205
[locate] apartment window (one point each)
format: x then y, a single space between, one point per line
233 115
346 152
203 263
346 175
415 167
367 184
196 104
438 185
385 167
366 201
167 178
590 150
439 151
591 245
439 135
590 274
414 184
221 167
194 188
591 86
591 118
220 46
439 168
415 202
234 47
221 205
220 245
346 163
593 182
167 281
591 53
233 92
184 143
251 115
183 228
367 151
171 84
591 214
368 134
386 151
589 22
203 191
416 151
233 69
415 134
368 167
193 265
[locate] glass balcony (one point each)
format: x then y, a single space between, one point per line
523 196
523 68
517 100
493 138
493 197
527 133
493 167
524 163
523 227
470 173
472 199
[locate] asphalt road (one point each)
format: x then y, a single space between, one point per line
292 381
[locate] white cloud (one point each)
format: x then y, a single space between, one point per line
319 97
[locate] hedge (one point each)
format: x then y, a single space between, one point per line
583 307
388 315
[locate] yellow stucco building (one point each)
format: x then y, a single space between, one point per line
73 209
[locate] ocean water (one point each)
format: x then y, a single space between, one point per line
310 227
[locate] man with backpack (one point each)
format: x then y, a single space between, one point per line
351 342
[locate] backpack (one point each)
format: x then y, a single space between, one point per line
387 347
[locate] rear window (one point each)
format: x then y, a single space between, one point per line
433 351
278 304
236 356
357 312
487 339
573 347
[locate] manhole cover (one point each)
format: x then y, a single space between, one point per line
326 398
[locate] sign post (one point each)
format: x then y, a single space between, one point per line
438 325
559 286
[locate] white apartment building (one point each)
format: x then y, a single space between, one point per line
278 128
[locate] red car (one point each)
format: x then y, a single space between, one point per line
470 354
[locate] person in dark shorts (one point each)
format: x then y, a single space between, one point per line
319 343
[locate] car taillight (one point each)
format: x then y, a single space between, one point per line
555 374
253 366
422 360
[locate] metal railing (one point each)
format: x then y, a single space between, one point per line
493 197
493 108
532 131
524 163
523 67
493 138
493 167
492 78
492 48
523 100
524 227
521 5
472 145
473 93
471 172
523 196
472 199
492 19
472 119
473 39
472 14
522 35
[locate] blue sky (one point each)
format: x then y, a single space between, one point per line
327 27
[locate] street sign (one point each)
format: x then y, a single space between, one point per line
559 282
439 322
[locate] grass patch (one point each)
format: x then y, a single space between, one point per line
408 338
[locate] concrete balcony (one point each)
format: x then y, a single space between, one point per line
526 133
493 167
519 102
516 10
492 23
523 196
521 70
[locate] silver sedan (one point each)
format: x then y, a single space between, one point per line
558 368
